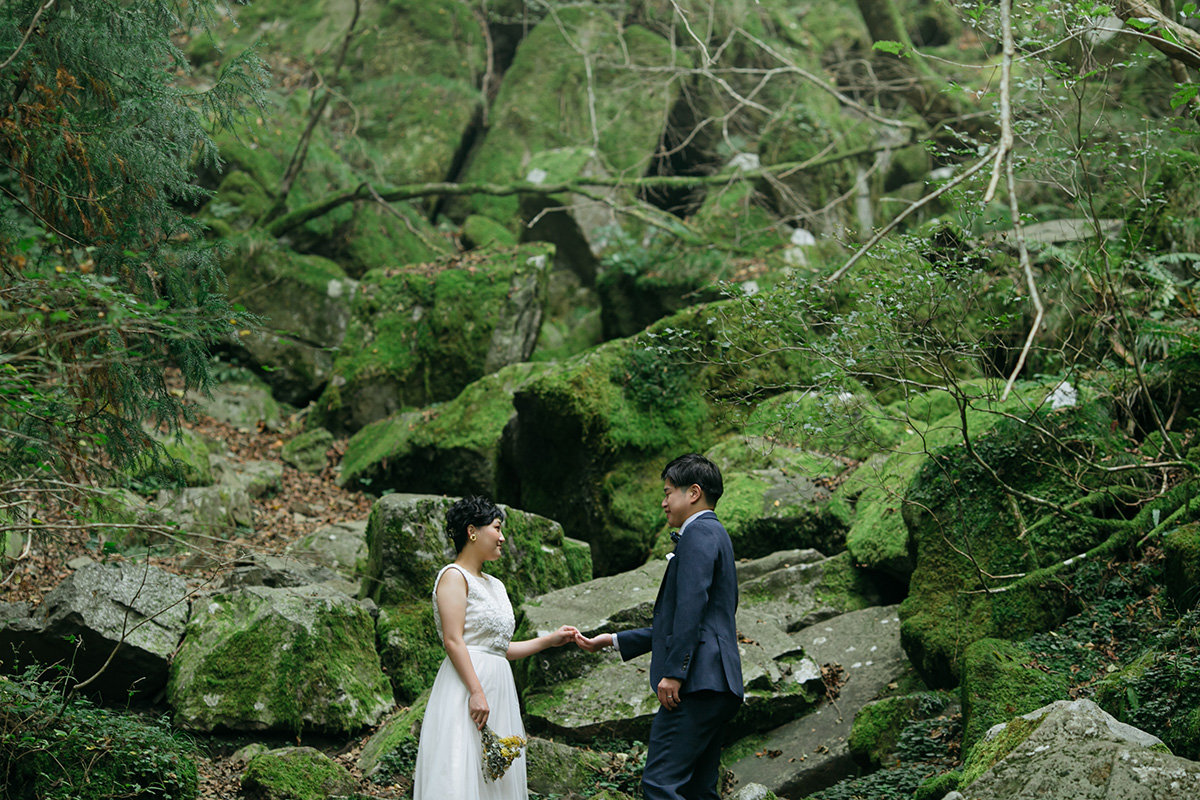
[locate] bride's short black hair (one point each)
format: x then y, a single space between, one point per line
477 511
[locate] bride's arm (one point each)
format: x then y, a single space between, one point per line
528 647
452 607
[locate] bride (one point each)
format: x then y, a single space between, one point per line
474 685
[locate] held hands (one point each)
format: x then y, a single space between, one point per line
477 707
567 633
595 645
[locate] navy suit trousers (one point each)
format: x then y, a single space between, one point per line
685 747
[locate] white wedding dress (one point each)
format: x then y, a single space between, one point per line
449 758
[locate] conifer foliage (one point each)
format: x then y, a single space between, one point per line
105 280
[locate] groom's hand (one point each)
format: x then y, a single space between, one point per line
668 693
593 645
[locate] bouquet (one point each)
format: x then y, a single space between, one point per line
498 753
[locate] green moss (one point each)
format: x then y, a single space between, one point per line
939 786
420 335
74 751
480 232
391 751
409 649
296 774
258 666
543 102
953 507
1181 551
986 754
1002 680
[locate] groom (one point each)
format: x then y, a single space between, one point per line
694 664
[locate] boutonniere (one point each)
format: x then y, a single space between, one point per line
669 557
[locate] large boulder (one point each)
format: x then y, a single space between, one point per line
539 106
578 696
1002 678
963 529
244 402
133 613
304 301
407 544
419 335
1073 749
341 546
394 741
860 654
295 773
286 659
600 427
454 447
203 512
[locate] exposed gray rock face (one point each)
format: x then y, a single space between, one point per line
814 755
342 547
307 451
242 405
577 695
262 569
80 622
1079 752
259 658
256 478
558 769
205 510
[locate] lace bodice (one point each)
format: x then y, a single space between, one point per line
490 621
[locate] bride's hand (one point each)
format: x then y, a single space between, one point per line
477 706
566 633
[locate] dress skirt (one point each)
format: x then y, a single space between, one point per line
450 756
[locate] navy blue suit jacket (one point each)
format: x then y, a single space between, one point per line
693 636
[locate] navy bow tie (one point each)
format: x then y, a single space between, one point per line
675 537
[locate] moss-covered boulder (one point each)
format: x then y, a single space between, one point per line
184 456
779 498
964 530
1181 552
244 402
1000 680
289 659
295 773
304 303
600 427
307 452
359 236
391 752
202 512
574 82
554 768
407 545
454 447
419 335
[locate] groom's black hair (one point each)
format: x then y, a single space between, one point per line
477 511
694 468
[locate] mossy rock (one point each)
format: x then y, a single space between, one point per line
601 426
1159 693
776 498
189 451
360 236
409 648
953 507
453 447
304 304
1002 680
307 451
1181 552
258 658
480 232
391 752
419 335
559 769
543 103
295 773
